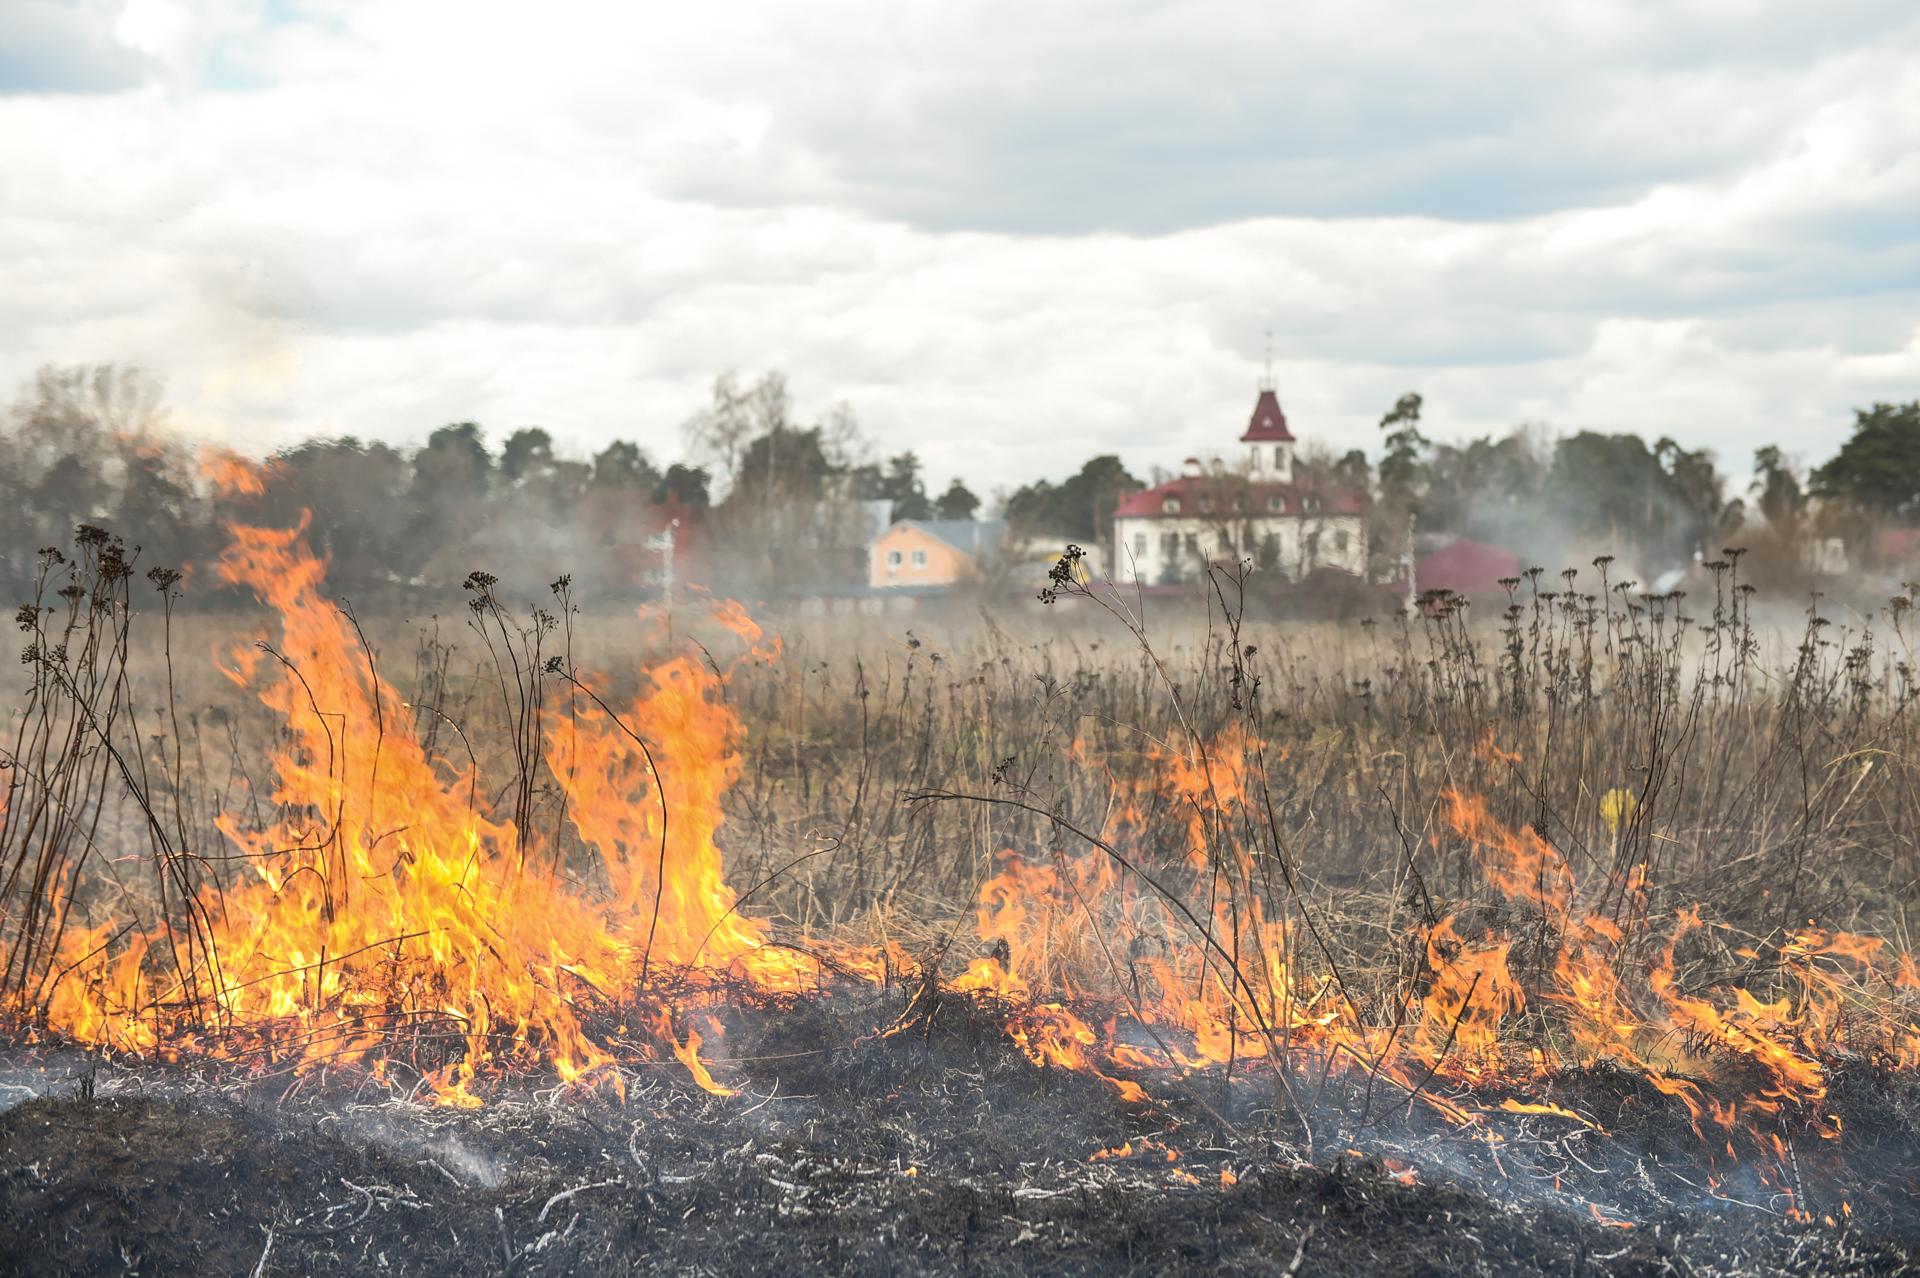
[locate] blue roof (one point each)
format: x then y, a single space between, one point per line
969 536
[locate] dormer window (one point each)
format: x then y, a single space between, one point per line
1170 506
1278 505
1206 505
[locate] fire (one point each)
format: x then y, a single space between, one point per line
1077 928
384 920
1514 1105
230 473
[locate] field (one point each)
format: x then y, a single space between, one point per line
1097 934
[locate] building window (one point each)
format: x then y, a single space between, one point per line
1139 545
1206 505
1193 544
1280 456
1169 546
1171 505
1278 505
919 559
893 560
1340 542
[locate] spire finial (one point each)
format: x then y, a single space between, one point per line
1266 383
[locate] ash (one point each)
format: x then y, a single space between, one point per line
933 1151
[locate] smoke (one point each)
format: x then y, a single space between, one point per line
423 1136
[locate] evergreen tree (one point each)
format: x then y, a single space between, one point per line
958 502
1777 489
1878 468
621 465
1080 508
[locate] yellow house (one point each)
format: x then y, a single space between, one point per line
932 552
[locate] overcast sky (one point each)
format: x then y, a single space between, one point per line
1008 235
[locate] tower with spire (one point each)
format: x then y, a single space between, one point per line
1268 442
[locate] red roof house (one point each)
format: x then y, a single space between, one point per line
1259 509
1466 567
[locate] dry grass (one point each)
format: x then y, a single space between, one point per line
1772 772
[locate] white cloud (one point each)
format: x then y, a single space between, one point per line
1008 236
66 46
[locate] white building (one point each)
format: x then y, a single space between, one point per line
1253 507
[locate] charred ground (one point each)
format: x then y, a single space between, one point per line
938 1149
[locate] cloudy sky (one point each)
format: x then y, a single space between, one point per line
1008 235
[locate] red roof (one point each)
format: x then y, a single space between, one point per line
1465 567
1268 425
1897 545
1221 492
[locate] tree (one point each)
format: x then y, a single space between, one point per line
1695 522
1081 508
1402 464
455 463
452 480
120 399
355 492
958 502
684 484
1776 489
1663 500
90 445
785 465
1878 468
902 486
526 451
154 503
1403 481
736 418
1352 472
1485 488
621 465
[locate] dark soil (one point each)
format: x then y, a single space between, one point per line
937 1150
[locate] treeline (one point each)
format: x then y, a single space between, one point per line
775 504
768 502
1661 505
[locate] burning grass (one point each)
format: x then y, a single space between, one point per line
1540 957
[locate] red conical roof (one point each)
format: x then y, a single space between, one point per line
1268 425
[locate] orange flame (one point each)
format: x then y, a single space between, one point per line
231 474
384 919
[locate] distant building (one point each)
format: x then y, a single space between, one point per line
1466 567
1256 509
934 552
